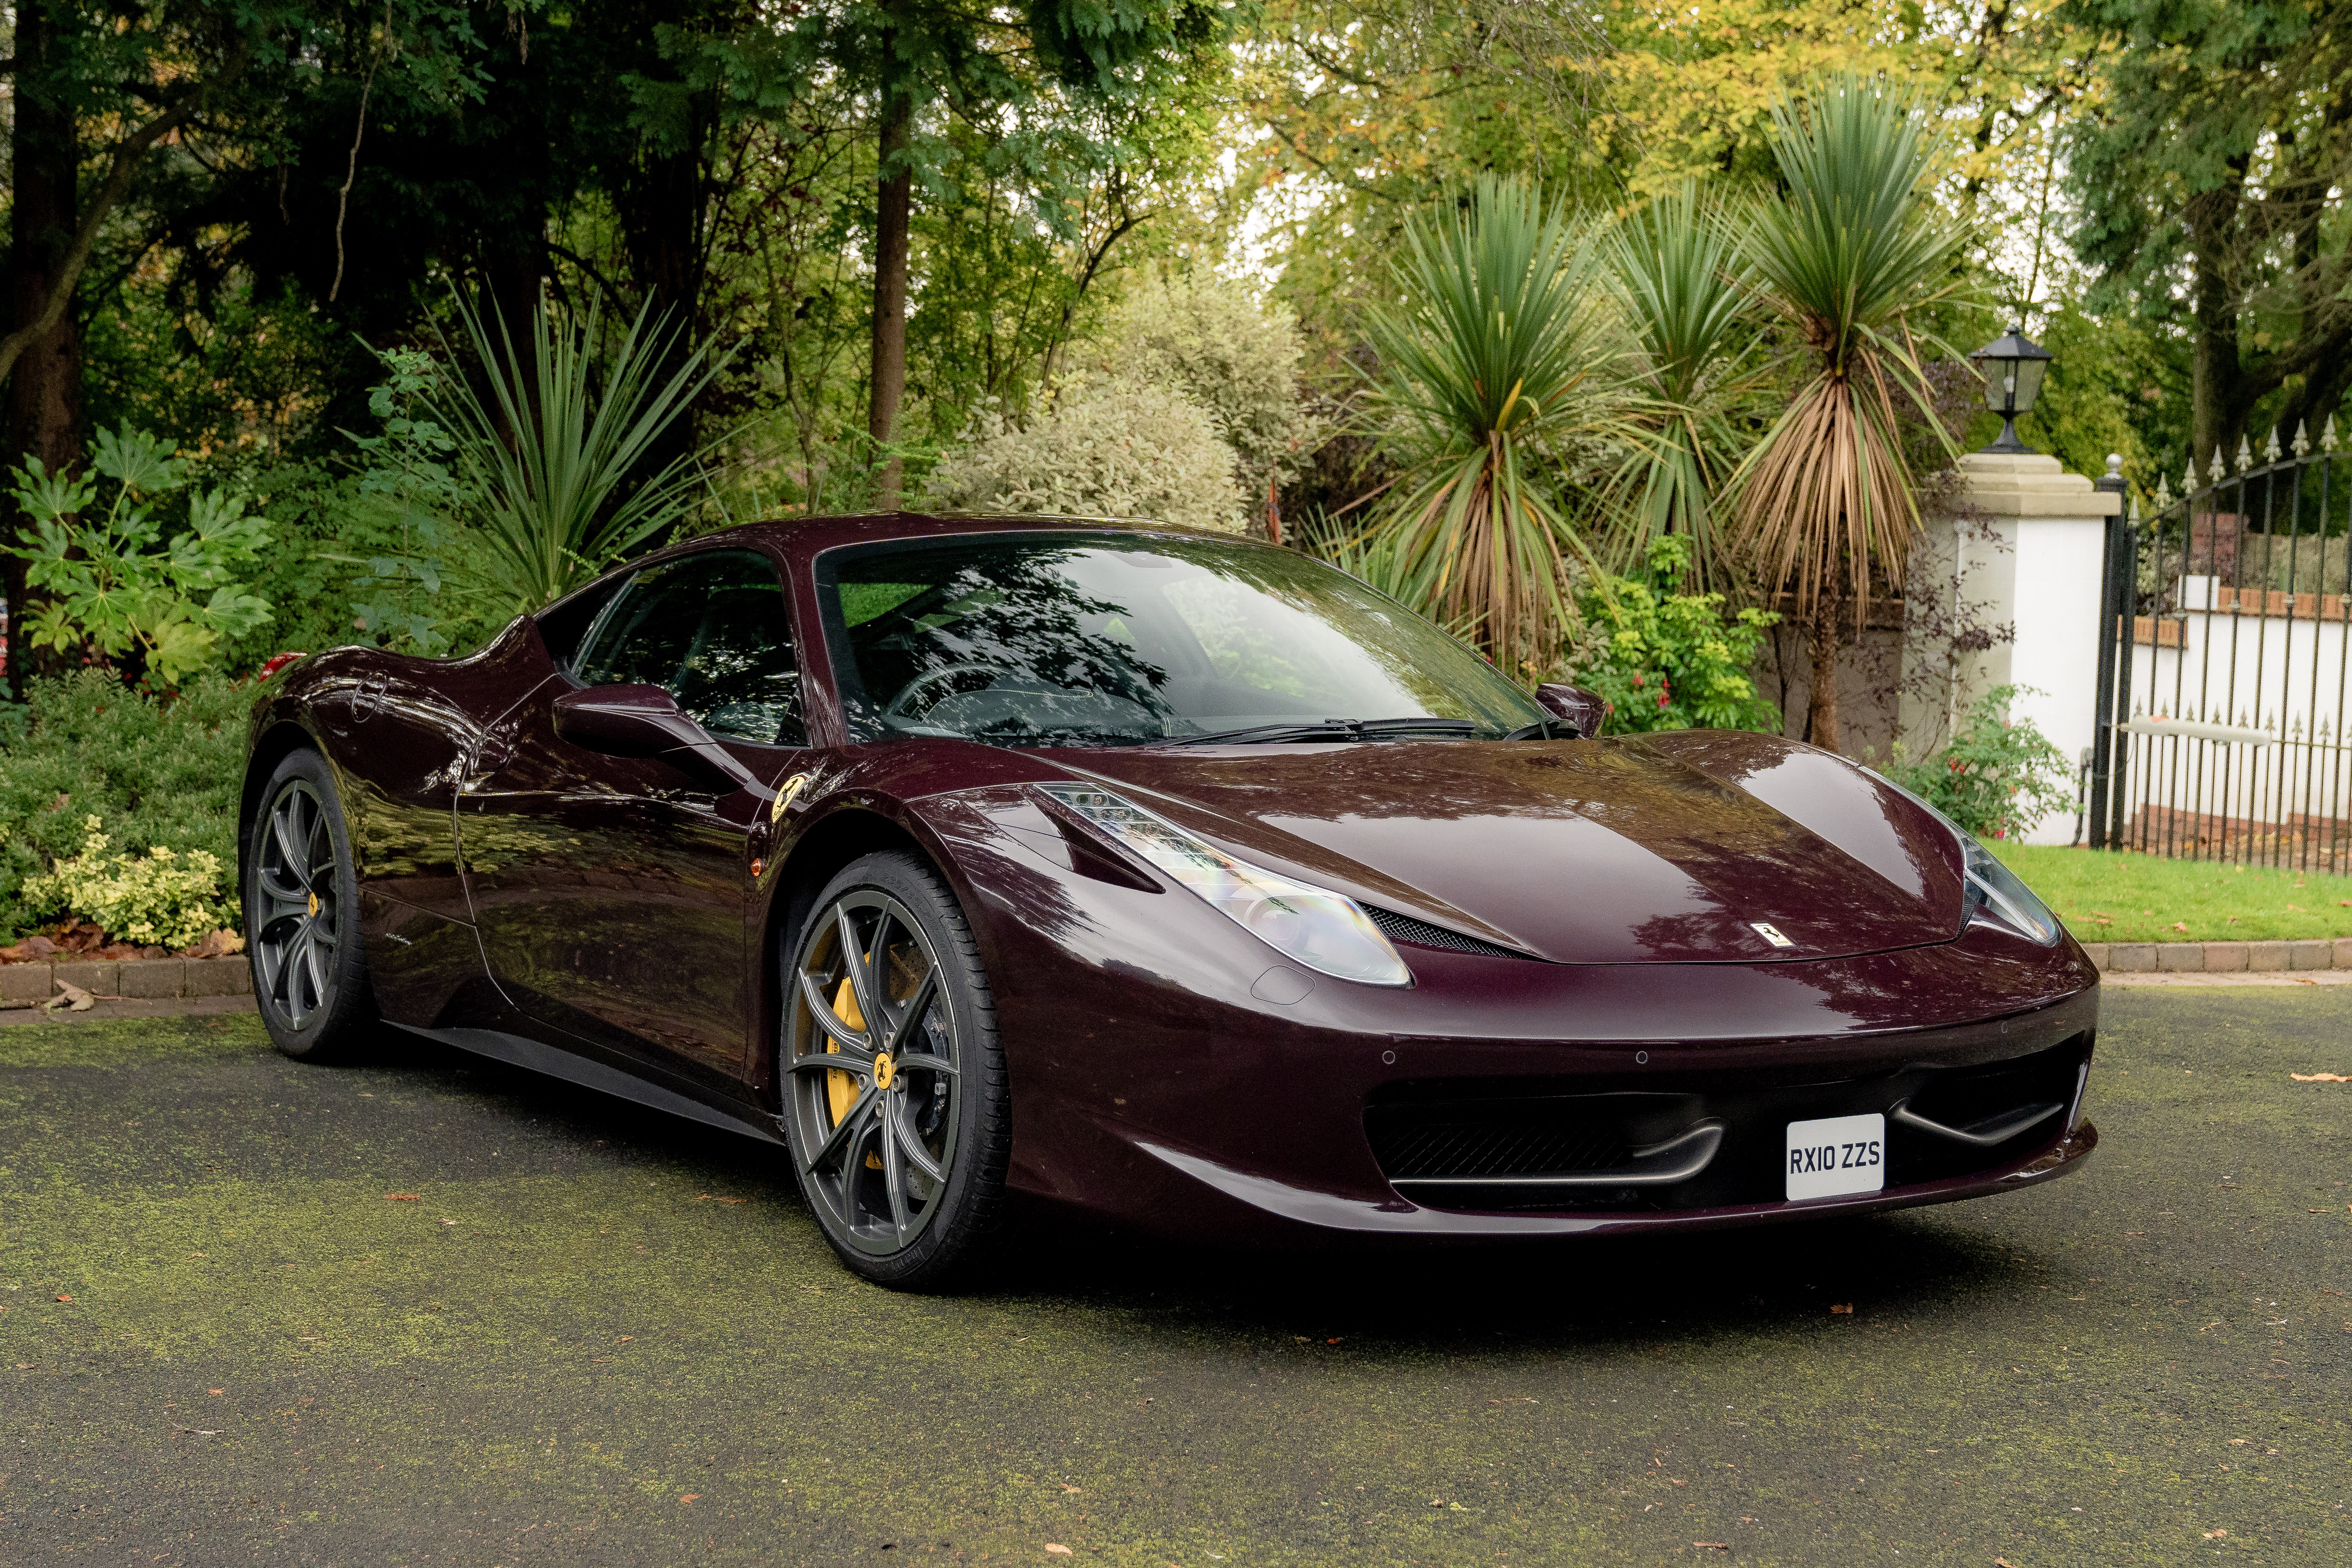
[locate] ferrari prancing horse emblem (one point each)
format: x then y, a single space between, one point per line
1770 933
792 786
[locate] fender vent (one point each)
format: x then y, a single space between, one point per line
1421 933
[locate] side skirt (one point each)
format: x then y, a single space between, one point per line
517 1051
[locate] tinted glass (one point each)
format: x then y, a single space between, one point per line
710 630
1094 640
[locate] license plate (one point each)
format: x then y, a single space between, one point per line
1836 1155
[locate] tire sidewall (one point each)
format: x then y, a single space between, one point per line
338 1026
975 1184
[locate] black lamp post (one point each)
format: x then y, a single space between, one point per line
2012 367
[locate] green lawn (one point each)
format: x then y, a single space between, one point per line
2110 897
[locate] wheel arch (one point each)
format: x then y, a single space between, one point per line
271 747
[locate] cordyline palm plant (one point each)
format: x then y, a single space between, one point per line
1685 290
1499 364
545 456
1826 504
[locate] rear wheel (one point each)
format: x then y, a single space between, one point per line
301 915
896 1105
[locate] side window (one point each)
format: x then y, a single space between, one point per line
710 630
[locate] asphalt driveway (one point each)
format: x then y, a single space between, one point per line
431 1310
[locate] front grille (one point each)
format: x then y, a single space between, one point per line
1490 1149
1429 1131
1421 933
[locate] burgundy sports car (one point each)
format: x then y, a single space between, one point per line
1166 876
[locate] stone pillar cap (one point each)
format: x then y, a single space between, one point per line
2031 484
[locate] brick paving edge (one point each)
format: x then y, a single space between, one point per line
127 979
2219 957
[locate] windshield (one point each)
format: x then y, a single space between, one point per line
1093 640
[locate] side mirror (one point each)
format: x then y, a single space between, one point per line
644 721
1583 709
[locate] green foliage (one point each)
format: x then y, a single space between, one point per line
1501 364
1677 267
1849 257
157 773
1665 661
1998 774
543 469
1121 450
408 490
115 580
160 899
1212 339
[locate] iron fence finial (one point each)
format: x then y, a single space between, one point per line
2163 497
2301 438
2220 469
2245 454
2327 435
2271 452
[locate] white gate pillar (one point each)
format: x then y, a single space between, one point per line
2031 557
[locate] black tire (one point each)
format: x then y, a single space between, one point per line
872 1139
302 915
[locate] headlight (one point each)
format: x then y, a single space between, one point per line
1324 930
1996 893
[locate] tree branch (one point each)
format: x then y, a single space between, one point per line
107 196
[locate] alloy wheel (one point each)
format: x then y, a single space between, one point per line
295 940
873 1068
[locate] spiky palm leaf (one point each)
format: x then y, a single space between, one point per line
1686 289
1500 360
547 453
1848 258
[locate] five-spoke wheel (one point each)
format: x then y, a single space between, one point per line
300 928
893 1088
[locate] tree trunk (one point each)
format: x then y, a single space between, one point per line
45 388
2216 400
892 218
1825 635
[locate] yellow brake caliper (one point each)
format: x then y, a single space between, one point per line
841 1087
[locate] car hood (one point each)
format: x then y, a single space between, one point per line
1643 849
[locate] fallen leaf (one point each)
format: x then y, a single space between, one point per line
1330 1341
2134 1232
448 1222
705 1197
1712 1545
216 1391
2002 1563
1842 1307
2319 1078
1068 1487
65 1298
688 1497
2215 1535
2180 926
71 999
402 1197
1055 1549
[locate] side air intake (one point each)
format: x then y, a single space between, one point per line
1421 933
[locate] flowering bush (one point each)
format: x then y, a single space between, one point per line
165 899
1998 776
1120 451
157 771
1672 661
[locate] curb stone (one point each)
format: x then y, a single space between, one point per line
2219 957
140 979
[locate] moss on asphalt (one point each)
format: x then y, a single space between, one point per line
569 1341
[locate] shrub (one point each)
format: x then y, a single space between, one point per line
166 900
157 773
1209 338
1119 450
1998 774
1672 661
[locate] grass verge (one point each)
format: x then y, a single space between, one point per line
2106 896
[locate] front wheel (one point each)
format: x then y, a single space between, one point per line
896 1105
302 914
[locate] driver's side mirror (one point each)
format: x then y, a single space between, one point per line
644 721
1583 709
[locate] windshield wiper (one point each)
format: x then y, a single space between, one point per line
1328 729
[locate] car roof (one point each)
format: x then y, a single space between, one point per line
801 537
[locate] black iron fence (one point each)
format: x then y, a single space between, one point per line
2222 672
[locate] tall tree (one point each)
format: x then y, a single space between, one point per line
2211 179
924 61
